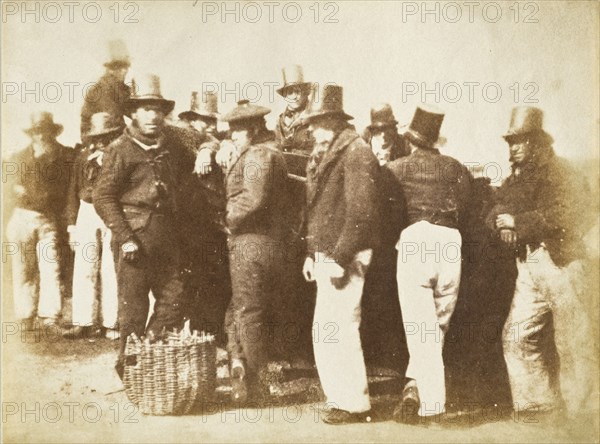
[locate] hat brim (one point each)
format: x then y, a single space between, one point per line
115 64
380 125
192 115
281 91
316 116
55 129
166 105
419 140
538 134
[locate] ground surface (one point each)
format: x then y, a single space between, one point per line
56 390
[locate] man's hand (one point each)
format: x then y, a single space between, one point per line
203 164
19 190
308 270
226 153
337 274
509 237
505 221
131 251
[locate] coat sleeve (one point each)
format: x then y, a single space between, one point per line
555 211
113 178
254 191
361 172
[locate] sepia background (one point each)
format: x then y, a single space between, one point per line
378 51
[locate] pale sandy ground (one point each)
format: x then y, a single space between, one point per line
56 391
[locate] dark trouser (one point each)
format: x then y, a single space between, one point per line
209 287
254 262
157 270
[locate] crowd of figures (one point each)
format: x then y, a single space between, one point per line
312 244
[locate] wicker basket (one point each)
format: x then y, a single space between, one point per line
168 377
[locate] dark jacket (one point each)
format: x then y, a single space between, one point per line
342 201
44 180
108 95
256 185
550 203
435 188
294 137
134 183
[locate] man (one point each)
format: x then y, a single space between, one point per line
382 334
203 114
255 218
341 213
94 267
542 213
292 131
110 93
382 135
436 190
38 184
136 197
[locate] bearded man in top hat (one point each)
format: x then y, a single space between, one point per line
137 198
38 180
542 213
203 114
255 218
436 190
110 93
342 209
94 266
382 135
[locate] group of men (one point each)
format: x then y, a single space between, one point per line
206 221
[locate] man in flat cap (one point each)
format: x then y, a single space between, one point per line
542 213
38 180
137 198
255 219
110 92
94 266
342 209
436 190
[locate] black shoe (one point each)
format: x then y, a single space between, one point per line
339 417
239 386
407 411
120 369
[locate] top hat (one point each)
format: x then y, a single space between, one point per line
42 122
102 124
424 130
326 100
118 55
146 90
292 76
202 106
526 121
245 111
382 116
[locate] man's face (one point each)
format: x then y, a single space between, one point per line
119 73
381 143
296 97
323 133
519 151
240 135
204 126
149 119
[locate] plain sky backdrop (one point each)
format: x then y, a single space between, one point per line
378 51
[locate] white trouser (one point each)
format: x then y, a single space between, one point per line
547 296
336 337
94 270
35 264
428 273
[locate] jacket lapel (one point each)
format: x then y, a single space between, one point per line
317 182
235 162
